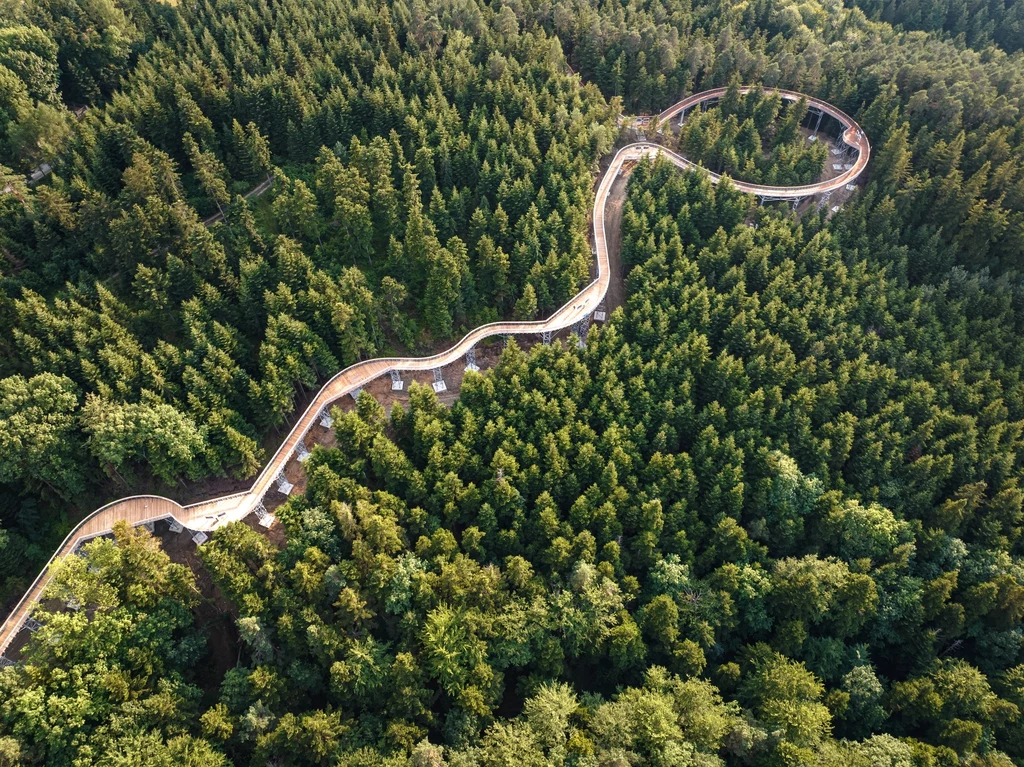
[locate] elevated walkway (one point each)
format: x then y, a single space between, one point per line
208 515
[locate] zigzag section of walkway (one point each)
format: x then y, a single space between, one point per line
208 515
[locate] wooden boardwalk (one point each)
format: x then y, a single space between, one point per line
852 136
208 515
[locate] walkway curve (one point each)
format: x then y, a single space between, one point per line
207 515
852 136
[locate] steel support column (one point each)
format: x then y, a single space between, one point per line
325 418
581 328
439 384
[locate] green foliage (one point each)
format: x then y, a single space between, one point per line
38 443
168 439
93 43
593 560
111 681
769 515
754 137
419 191
979 24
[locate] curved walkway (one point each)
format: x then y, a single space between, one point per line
852 136
207 515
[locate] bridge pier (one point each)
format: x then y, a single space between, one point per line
581 328
263 517
325 418
439 384
284 487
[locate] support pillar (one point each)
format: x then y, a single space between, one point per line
355 394
581 329
263 517
439 384
325 418
818 124
32 625
397 384
796 204
471 360
545 338
284 487
5 662
302 452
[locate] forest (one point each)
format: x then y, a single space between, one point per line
754 138
769 514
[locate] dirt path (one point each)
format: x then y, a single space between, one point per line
616 295
214 614
256 191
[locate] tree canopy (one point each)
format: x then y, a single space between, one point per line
769 514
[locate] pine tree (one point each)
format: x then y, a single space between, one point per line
209 172
526 306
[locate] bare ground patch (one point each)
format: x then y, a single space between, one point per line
214 614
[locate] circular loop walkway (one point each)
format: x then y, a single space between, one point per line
852 136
